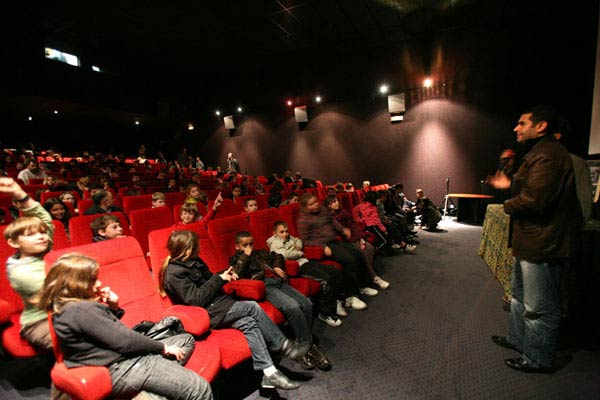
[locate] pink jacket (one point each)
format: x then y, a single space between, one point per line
367 213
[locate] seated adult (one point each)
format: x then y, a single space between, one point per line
103 203
33 170
430 215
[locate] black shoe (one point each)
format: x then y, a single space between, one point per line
320 359
411 241
413 232
503 341
306 362
294 350
506 307
521 365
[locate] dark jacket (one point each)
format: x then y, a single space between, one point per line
545 212
257 265
346 220
91 334
191 283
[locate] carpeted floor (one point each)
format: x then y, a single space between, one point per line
427 337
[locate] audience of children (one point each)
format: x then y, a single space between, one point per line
86 317
358 237
186 279
159 199
195 195
270 268
189 212
331 278
316 227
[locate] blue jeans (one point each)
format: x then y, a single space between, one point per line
155 374
535 310
294 305
251 320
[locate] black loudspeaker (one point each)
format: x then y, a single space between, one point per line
301 114
229 123
397 107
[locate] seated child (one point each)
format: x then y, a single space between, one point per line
270 268
331 278
159 199
31 237
189 212
106 227
186 279
317 227
250 205
195 195
86 320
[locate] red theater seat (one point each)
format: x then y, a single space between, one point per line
131 203
81 232
121 263
147 220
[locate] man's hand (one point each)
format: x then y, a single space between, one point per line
281 273
499 181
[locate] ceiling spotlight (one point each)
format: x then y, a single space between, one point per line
383 89
427 82
55 112
318 99
240 109
190 127
217 113
30 118
289 102
137 122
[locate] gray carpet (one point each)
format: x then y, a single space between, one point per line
427 337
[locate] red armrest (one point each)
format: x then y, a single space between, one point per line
4 312
90 383
246 289
292 267
314 252
195 319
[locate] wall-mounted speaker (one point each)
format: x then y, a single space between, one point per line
301 114
397 107
228 121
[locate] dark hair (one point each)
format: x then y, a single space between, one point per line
370 197
99 196
305 198
181 245
544 113
249 199
278 223
102 222
241 235
328 200
51 202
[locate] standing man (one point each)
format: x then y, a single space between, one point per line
546 219
233 166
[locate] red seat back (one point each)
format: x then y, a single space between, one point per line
61 240
290 213
81 231
227 208
222 236
84 205
262 222
345 201
131 203
147 220
8 218
124 269
175 198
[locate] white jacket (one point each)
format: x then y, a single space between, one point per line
288 248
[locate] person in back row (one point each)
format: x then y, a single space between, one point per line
186 279
86 317
270 268
330 278
103 203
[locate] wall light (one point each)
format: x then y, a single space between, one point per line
137 122
217 113
383 89
55 112
428 82
190 127
318 99
30 118
240 109
289 102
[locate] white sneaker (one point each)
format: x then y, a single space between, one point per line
396 246
381 283
355 303
340 309
330 320
367 291
410 249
